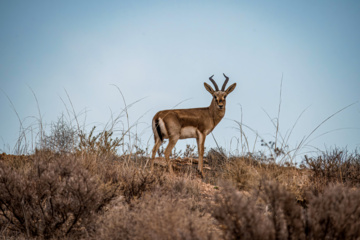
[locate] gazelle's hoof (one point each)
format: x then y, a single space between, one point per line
200 173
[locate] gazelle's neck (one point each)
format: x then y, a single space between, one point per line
216 113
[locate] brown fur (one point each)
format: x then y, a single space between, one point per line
189 123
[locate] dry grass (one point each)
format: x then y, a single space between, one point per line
336 166
78 186
78 195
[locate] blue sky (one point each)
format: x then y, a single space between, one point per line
165 50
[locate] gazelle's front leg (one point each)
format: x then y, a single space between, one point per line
200 142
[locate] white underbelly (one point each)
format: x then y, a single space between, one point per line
188 132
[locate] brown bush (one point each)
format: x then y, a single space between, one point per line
158 216
285 215
246 173
335 214
53 197
100 144
334 167
216 157
133 183
85 195
15 161
238 216
242 173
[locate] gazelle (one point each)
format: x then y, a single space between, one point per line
190 123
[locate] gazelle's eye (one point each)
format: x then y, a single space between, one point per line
225 97
215 97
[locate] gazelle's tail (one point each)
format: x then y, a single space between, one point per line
158 130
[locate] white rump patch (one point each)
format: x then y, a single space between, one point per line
163 129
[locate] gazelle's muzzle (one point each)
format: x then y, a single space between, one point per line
220 104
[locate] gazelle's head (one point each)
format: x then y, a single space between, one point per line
219 96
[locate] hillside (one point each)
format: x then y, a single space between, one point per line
99 195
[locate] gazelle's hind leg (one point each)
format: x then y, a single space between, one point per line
154 150
170 146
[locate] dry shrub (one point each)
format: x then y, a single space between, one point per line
335 214
246 173
63 137
271 213
158 216
275 214
185 188
87 195
15 161
54 197
216 157
294 180
334 167
134 182
167 207
241 173
100 144
284 213
130 179
238 216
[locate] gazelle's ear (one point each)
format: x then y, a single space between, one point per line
209 88
231 88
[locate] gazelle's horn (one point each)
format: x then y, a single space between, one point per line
226 81
215 85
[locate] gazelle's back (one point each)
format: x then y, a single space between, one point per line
183 122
